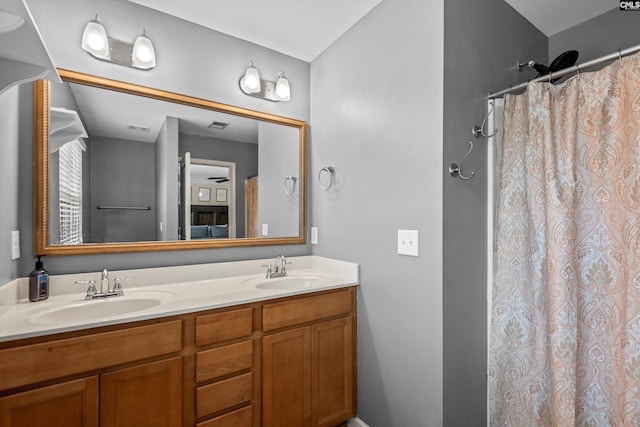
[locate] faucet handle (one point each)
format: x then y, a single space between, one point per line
91 290
269 269
117 284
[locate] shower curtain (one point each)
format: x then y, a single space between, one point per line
565 322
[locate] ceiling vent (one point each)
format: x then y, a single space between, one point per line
218 125
139 127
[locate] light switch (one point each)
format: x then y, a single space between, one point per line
408 242
15 245
314 235
265 229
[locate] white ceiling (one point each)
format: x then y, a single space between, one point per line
305 28
299 28
109 113
553 16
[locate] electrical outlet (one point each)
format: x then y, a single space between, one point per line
314 235
265 229
408 242
15 245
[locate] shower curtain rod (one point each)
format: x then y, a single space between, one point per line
569 70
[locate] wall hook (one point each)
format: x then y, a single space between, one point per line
478 131
456 171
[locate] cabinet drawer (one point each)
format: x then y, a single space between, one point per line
223 361
39 362
224 394
213 328
303 310
240 418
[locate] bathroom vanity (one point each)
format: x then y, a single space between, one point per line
274 352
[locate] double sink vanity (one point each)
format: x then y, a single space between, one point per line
214 345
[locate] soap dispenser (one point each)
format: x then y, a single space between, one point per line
39 282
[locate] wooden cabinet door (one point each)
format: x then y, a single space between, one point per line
286 386
332 372
148 395
70 404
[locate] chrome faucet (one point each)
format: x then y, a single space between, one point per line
283 263
93 293
104 281
277 269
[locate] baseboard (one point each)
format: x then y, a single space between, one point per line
356 422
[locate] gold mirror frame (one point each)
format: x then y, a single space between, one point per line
41 173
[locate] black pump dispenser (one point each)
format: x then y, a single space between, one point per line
39 282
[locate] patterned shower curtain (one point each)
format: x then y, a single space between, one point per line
565 325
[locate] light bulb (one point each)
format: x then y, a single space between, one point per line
95 42
94 39
143 55
283 92
251 79
252 82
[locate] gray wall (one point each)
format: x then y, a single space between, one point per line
376 116
278 157
245 156
191 60
9 194
599 36
166 181
122 174
482 41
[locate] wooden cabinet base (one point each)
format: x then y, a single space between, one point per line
288 362
73 403
149 395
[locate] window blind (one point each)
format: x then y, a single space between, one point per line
70 179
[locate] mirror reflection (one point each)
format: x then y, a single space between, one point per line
125 168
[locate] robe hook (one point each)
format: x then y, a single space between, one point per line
456 171
478 131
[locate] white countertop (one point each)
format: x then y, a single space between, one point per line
174 290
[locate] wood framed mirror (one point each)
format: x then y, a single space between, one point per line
127 168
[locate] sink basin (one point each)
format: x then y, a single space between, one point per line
81 311
289 282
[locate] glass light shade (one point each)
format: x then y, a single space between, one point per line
251 80
94 39
143 55
283 92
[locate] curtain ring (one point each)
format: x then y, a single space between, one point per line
620 55
330 170
293 180
578 70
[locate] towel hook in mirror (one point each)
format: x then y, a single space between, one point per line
478 131
456 171
293 180
330 170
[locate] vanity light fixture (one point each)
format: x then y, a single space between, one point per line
140 54
143 56
252 85
95 40
250 82
283 92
